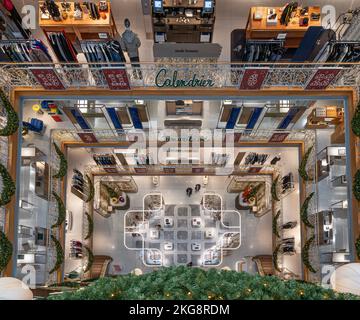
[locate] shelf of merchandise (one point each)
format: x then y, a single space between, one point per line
80 29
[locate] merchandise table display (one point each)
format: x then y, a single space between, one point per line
266 23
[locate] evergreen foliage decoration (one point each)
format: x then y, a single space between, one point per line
63 163
90 258
355 122
254 191
12 123
90 226
302 168
91 189
111 192
190 283
274 194
61 211
275 228
275 257
356 185
357 247
304 211
6 250
305 254
60 256
8 189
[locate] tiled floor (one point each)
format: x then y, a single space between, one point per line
182 234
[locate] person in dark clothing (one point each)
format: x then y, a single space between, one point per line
197 187
189 191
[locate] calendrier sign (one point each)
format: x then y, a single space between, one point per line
48 78
253 78
322 78
117 79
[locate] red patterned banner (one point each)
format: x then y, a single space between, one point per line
253 78
87 137
48 78
322 78
111 169
278 137
117 79
255 169
140 169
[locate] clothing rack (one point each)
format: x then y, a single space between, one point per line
327 53
24 50
269 41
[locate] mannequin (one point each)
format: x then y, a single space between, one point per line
130 43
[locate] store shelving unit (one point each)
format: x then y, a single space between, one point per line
80 29
183 21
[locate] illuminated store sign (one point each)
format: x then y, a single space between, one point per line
166 79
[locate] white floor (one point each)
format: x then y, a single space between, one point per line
256 233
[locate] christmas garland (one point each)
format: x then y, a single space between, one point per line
356 185
274 194
275 224
12 123
60 256
305 254
275 257
254 191
302 168
90 226
6 249
184 283
63 163
8 186
355 122
304 211
91 189
111 192
357 247
61 211
90 261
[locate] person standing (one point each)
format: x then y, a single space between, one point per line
131 44
189 191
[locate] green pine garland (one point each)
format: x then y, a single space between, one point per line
61 211
63 163
185 283
356 185
12 123
60 256
254 191
275 258
111 192
355 122
8 186
6 250
357 247
90 226
305 254
90 258
275 228
91 189
304 211
302 168
274 194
